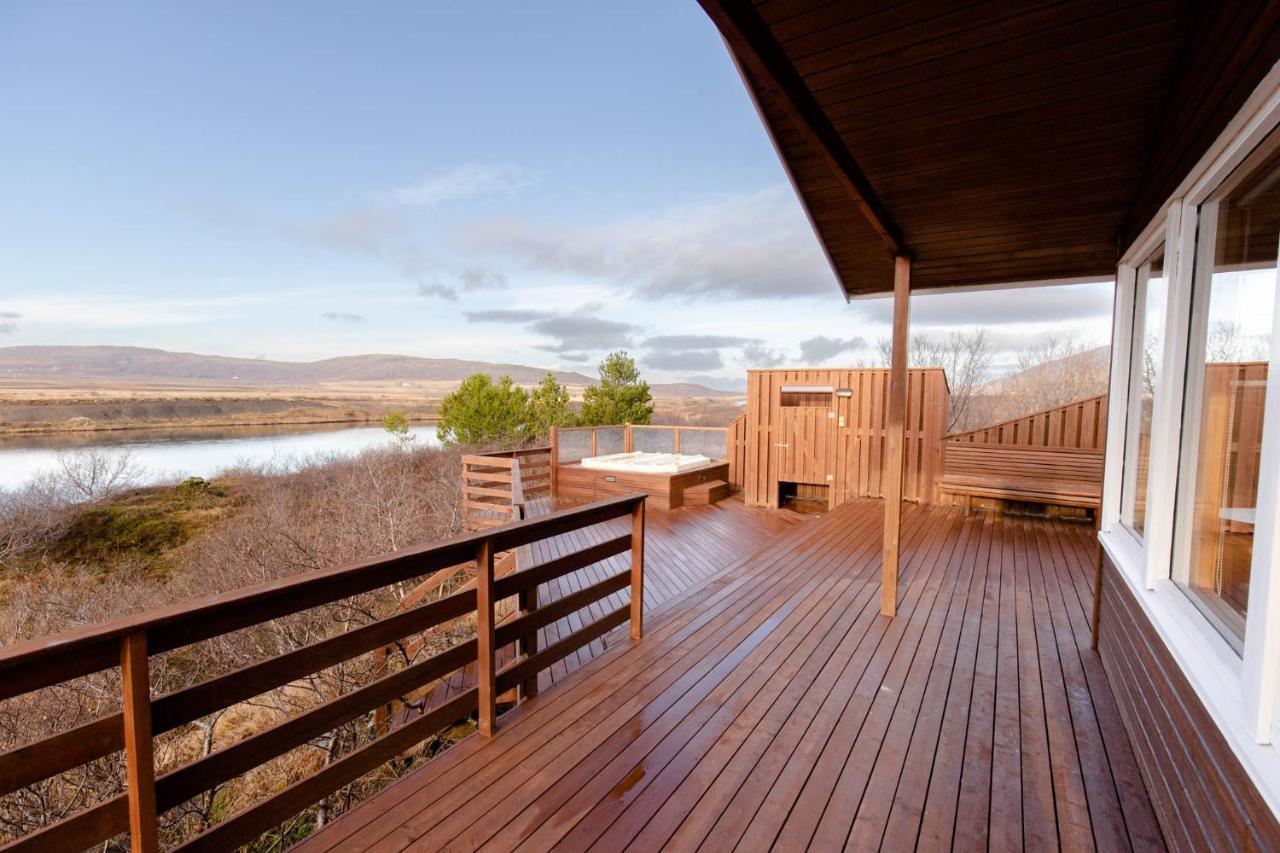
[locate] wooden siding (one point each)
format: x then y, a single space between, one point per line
1202 795
1003 142
772 706
807 444
665 491
1078 425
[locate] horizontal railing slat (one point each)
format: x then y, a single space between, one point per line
184 783
509 632
32 762
559 567
87 650
249 824
518 672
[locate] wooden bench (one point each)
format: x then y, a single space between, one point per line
1046 475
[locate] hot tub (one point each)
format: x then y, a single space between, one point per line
647 463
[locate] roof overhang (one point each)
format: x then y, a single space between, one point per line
996 143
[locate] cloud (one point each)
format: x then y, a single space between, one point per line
685 360
573 332
576 357
690 342
8 322
505 315
121 311
345 317
759 355
820 349
479 278
754 246
466 181
437 290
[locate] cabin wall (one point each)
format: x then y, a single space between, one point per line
1202 795
840 443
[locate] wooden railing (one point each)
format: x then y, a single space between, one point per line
496 485
1078 425
128 644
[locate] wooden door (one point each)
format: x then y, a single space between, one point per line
805 445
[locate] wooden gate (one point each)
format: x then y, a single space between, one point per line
804 445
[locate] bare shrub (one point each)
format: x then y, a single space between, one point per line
297 516
95 473
965 358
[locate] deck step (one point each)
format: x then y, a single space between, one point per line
706 493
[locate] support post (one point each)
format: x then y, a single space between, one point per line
555 460
486 674
637 570
594 432
676 443
528 644
628 439
895 437
140 765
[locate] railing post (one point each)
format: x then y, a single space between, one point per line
486 687
528 644
138 751
677 441
637 570
555 460
628 439
594 432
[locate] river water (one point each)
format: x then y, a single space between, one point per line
163 455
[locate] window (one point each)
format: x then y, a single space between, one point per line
1148 349
1229 344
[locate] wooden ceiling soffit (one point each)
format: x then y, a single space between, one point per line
768 66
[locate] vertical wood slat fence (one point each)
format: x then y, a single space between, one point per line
1078 425
836 441
129 643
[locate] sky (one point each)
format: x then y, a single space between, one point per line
537 183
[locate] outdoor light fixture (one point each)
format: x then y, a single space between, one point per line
844 392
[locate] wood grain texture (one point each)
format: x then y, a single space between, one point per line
772 707
1204 798
1003 143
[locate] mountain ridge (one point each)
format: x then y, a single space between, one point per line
124 363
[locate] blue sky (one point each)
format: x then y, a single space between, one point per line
528 182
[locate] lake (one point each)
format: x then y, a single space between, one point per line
198 452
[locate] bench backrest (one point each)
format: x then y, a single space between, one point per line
1035 464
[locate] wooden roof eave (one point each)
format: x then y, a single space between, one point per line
763 64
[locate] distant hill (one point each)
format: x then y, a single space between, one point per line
139 364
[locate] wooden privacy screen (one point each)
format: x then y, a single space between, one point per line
1078 425
128 644
840 445
496 485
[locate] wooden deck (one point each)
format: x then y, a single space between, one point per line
683 548
772 706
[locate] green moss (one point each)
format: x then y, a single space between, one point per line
143 525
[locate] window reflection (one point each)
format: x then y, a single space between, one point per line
1148 350
1229 346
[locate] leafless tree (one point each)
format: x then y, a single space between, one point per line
966 359
1227 342
95 473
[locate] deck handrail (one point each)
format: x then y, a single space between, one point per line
129 642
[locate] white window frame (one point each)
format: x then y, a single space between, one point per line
1238 689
